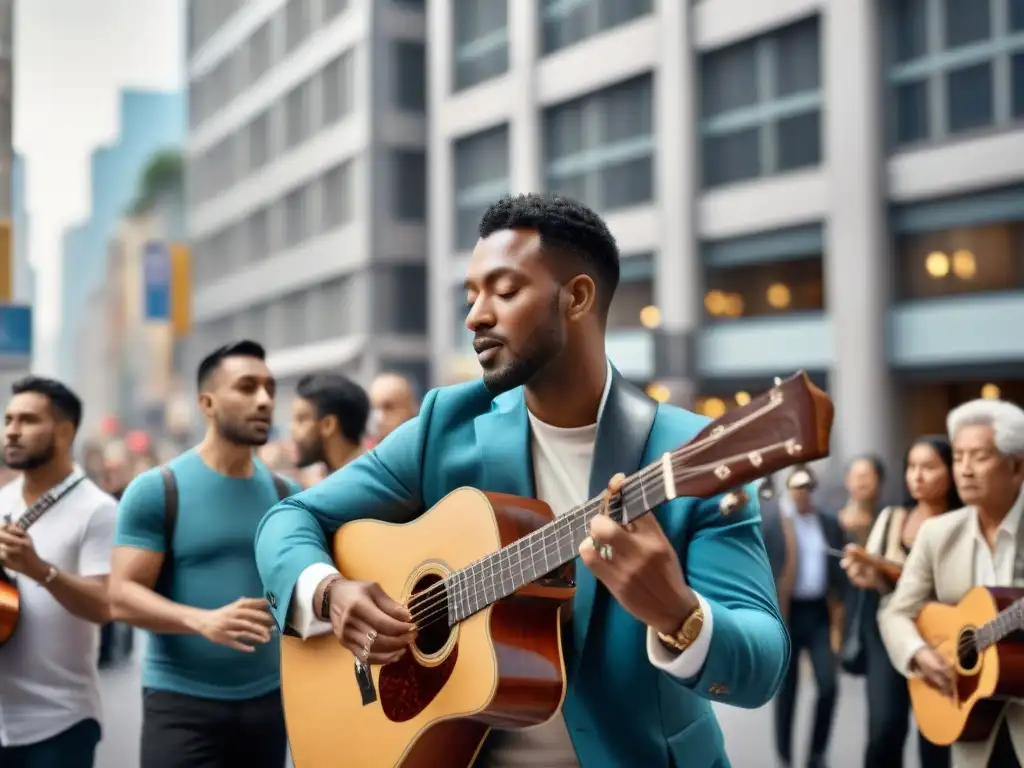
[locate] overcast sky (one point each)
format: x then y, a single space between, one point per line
72 57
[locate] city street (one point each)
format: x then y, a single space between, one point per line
748 733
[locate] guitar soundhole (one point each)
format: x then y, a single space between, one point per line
967 651
409 685
429 606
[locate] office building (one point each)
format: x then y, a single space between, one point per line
148 122
833 185
307 184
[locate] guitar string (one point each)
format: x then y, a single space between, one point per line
428 612
478 598
969 642
684 452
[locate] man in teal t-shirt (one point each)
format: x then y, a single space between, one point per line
211 672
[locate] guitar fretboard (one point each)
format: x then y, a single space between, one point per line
499 575
1005 623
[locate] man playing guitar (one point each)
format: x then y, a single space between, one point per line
658 640
49 686
978 545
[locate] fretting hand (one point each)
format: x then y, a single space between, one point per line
18 553
639 567
369 623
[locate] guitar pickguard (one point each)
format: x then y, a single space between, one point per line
407 688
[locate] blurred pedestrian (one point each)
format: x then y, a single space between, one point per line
56 538
393 401
183 569
329 416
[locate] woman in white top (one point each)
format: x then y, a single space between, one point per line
928 474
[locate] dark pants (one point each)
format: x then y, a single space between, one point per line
181 731
73 748
1003 755
888 711
809 631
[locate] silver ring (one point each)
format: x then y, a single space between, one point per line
605 552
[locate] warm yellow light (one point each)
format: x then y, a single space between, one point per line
715 302
713 408
650 317
964 265
658 392
990 392
733 305
936 264
778 296
742 398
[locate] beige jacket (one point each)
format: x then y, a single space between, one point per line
940 567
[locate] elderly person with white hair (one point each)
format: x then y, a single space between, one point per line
976 545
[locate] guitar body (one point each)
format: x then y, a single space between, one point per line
500 667
982 680
10 607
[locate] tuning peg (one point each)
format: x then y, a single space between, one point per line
778 382
732 501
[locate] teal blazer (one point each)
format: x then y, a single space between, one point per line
619 708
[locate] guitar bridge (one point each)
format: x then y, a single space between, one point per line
364 679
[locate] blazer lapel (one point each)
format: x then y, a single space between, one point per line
958 581
503 436
622 433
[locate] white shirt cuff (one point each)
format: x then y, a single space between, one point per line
300 614
690 662
908 660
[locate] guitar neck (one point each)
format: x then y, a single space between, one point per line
502 573
1008 620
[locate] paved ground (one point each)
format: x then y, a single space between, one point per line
748 733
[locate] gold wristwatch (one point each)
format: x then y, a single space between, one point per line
683 637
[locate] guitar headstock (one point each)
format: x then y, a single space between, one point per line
789 424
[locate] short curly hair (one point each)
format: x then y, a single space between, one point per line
564 225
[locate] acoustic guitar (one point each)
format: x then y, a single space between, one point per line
889 570
980 639
473 571
10 607
10 598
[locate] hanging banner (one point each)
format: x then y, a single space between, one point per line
156 278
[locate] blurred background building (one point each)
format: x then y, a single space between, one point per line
307 184
819 184
150 122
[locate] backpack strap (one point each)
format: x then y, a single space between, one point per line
163 583
281 486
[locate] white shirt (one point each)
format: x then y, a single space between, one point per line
812 558
48 676
561 468
993 566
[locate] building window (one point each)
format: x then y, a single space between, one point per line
409 184
334 8
633 305
599 148
410 75
338 85
481 41
960 260
296 216
955 66
297 23
764 289
567 23
336 197
481 177
297 114
259 141
400 302
761 103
